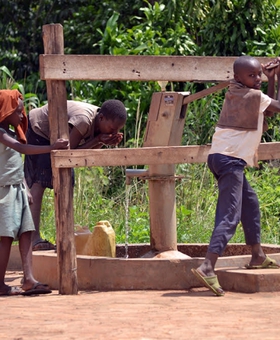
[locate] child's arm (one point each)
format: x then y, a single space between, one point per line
270 73
29 149
75 137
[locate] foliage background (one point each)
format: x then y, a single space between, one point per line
184 27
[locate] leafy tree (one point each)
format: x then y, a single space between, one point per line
22 20
176 27
21 27
237 27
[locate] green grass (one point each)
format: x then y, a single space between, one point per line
99 197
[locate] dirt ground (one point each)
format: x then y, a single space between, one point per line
139 315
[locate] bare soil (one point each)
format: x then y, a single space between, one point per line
139 315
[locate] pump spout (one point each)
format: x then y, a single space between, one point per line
130 173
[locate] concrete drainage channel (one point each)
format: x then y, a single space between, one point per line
158 273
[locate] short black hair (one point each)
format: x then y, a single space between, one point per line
242 62
114 109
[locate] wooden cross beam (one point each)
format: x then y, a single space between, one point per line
146 155
138 68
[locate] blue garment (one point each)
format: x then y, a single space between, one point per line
237 202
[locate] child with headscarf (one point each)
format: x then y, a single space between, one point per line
16 219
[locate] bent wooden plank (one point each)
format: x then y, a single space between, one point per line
146 155
139 68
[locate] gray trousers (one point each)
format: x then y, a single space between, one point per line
237 201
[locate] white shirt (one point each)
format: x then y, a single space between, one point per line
240 143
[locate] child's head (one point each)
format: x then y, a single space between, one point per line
14 119
12 112
111 116
248 71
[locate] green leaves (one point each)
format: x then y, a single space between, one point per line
234 27
7 82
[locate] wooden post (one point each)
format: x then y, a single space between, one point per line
62 182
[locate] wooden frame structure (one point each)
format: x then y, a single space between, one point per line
56 68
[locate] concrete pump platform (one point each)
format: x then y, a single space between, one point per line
138 273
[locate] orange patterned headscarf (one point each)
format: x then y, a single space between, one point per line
8 104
